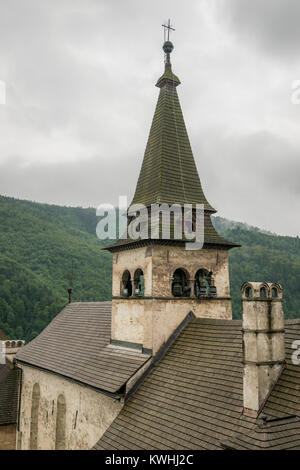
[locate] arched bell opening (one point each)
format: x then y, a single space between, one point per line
139 283
180 284
204 285
126 285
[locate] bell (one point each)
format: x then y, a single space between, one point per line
212 291
187 291
125 292
177 289
203 291
137 291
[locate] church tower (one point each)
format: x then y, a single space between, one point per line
157 281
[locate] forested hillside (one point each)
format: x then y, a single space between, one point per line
41 245
268 258
38 245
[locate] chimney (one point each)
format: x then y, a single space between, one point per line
263 342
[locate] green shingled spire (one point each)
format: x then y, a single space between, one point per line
169 173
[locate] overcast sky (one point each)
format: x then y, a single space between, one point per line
80 78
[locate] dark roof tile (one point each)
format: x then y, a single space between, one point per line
193 399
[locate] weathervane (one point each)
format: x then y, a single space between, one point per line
167 28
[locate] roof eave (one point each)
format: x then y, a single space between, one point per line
121 246
115 395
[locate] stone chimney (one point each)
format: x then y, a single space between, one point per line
263 342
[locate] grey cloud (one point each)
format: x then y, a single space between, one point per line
87 184
272 25
80 78
243 177
253 178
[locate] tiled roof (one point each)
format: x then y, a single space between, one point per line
76 344
274 434
193 399
282 410
285 398
9 385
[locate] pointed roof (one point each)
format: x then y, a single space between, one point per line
169 173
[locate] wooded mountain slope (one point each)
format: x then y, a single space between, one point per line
39 243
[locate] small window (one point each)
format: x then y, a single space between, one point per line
60 436
263 292
274 292
34 423
180 284
126 287
139 285
248 292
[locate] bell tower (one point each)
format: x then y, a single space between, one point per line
157 281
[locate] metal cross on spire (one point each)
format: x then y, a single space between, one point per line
167 28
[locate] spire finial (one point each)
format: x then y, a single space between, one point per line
168 46
167 28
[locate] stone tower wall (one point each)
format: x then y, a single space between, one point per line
149 321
